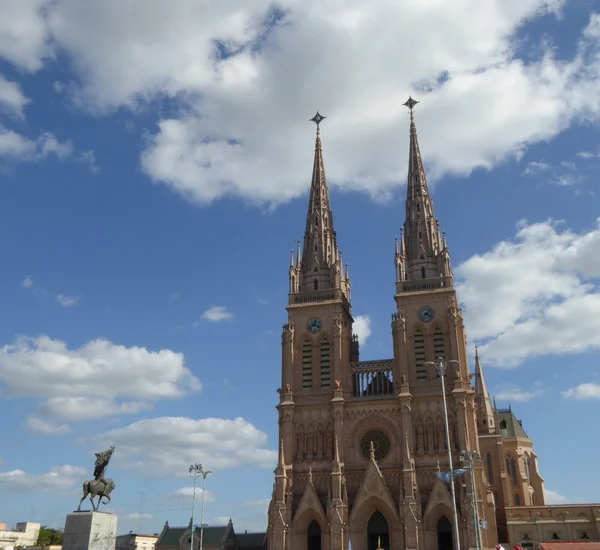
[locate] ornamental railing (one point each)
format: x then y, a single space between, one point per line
372 378
424 284
316 296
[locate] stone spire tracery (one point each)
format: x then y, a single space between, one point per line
320 267
485 412
424 252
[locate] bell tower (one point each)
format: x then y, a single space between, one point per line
309 498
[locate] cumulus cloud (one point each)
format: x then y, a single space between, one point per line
515 393
57 479
362 328
98 379
583 391
67 301
217 443
247 76
535 294
214 314
16 147
12 99
187 493
44 427
552 497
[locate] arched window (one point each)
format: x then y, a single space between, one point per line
490 469
307 366
316 283
325 364
438 345
527 468
313 535
422 273
517 500
511 469
419 345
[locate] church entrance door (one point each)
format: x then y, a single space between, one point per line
378 532
314 536
444 534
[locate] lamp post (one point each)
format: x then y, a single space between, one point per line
441 367
468 458
196 470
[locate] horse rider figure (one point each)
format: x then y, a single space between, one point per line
102 460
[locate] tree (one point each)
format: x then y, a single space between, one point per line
49 536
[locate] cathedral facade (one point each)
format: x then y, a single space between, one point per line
363 444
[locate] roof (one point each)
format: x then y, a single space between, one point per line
171 536
251 540
509 425
212 535
579 545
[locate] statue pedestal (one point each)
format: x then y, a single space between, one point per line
90 531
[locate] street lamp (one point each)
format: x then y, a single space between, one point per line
468 459
441 367
196 470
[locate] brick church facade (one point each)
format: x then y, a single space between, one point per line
361 441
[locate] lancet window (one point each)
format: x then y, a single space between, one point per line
325 364
490 469
307 366
419 345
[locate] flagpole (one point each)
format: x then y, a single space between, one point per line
441 367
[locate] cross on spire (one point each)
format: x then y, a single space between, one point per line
318 118
410 103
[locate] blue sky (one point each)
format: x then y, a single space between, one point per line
154 169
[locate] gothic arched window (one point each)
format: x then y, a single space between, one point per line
438 345
517 500
316 283
511 469
419 345
307 366
527 468
490 470
423 273
325 364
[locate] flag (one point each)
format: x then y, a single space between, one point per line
446 476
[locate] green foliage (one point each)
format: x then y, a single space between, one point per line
49 536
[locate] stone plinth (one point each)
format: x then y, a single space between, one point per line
90 531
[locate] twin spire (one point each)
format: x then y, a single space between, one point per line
421 252
320 266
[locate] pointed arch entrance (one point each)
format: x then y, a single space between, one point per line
444 534
313 536
378 532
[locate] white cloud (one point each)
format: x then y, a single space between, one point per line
28 282
16 147
552 497
66 301
12 99
41 426
534 295
215 314
187 493
56 480
23 33
217 443
515 393
58 86
88 158
98 379
583 391
246 110
536 167
362 327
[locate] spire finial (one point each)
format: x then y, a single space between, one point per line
410 103
317 119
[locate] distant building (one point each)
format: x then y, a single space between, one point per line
133 541
214 538
25 534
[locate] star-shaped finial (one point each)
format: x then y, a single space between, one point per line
411 103
318 118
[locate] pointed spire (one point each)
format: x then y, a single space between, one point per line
421 244
485 416
321 266
281 460
372 451
337 466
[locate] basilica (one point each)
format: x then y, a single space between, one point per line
364 445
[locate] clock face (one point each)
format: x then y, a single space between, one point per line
314 325
426 314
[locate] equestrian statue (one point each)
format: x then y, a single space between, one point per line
99 487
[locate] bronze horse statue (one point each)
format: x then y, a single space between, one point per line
100 489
